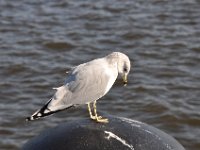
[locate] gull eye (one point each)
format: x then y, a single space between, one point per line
125 69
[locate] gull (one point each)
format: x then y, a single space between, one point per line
85 84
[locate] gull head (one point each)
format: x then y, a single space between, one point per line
123 65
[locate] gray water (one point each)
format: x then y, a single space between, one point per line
40 40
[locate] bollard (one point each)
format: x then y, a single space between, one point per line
119 134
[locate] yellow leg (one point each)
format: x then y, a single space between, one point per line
90 112
98 118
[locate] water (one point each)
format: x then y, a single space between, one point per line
40 40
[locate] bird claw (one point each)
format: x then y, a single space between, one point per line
93 117
99 117
101 120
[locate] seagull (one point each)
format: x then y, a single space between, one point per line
85 84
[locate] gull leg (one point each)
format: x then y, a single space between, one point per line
98 118
90 112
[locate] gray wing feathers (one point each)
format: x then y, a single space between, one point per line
84 84
89 85
58 101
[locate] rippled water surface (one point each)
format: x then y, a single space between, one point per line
40 40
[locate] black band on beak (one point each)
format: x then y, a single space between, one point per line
125 83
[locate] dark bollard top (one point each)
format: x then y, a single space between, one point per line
118 134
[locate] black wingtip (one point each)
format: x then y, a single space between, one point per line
29 118
40 113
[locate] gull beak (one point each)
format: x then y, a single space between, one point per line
125 81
